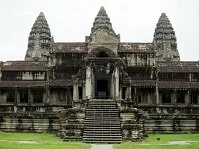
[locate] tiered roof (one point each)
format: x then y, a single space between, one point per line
39 40
165 40
22 84
164 31
125 47
23 66
102 21
182 66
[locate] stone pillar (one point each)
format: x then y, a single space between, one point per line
30 97
17 96
83 91
187 98
135 96
157 94
93 86
173 97
116 77
47 99
111 87
120 92
129 92
149 98
88 82
75 92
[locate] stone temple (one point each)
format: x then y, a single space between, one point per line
100 90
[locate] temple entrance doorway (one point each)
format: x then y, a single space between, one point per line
102 88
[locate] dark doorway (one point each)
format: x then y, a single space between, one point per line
102 89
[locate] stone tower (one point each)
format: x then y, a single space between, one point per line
165 40
102 35
39 40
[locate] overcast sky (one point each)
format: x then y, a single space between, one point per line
71 21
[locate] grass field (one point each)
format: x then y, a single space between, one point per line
36 141
50 141
153 143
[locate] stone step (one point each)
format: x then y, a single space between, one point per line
101 114
101 111
102 135
113 118
102 128
107 110
102 122
103 140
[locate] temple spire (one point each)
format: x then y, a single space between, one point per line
102 37
39 40
102 22
165 40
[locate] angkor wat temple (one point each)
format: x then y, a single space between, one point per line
100 90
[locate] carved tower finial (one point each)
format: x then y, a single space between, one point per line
39 40
102 22
102 37
165 40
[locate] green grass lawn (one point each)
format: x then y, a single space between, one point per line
42 140
163 143
50 141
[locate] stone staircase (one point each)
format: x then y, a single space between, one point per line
102 122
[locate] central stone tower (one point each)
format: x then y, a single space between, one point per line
102 75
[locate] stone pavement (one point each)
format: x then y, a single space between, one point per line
102 146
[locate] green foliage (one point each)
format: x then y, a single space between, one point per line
43 141
161 141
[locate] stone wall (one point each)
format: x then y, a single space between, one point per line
28 118
71 124
171 119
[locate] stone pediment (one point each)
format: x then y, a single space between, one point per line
104 37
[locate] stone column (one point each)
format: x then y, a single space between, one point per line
111 86
135 96
88 82
173 97
157 94
30 97
17 96
93 86
120 92
129 92
187 98
149 98
75 92
47 90
83 91
116 77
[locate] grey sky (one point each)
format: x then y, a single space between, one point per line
71 20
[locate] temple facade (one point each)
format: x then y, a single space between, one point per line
100 90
